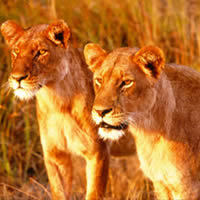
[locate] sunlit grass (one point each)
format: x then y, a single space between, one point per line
172 25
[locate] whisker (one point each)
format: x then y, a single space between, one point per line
117 117
124 114
8 91
121 126
128 113
131 120
5 85
30 82
5 88
120 115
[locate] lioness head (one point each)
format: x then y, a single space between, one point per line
35 55
124 82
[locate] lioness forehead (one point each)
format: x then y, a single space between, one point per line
117 61
31 33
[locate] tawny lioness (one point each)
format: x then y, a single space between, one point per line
160 104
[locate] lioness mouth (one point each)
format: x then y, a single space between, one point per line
119 127
40 86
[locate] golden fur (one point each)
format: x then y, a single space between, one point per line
45 65
160 104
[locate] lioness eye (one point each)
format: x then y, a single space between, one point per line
126 83
42 51
98 81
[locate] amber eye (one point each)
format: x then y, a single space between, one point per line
127 83
98 81
42 51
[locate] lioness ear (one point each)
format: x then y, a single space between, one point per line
59 33
151 60
94 55
11 32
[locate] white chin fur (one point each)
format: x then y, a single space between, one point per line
110 134
24 94
96 118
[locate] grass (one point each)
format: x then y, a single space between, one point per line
172 25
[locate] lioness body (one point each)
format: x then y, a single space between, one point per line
45 64
161 105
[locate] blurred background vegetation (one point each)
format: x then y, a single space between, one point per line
172 25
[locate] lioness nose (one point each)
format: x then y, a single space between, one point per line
19 77
102 113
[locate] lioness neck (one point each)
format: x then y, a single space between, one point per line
73 91
163 104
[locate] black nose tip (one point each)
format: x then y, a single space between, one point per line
102 113
19 77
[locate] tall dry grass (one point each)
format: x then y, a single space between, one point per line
172 25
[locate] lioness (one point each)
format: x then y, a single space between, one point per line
160 104
46 65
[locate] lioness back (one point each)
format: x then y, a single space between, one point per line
159 103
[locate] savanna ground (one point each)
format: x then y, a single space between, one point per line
172 25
